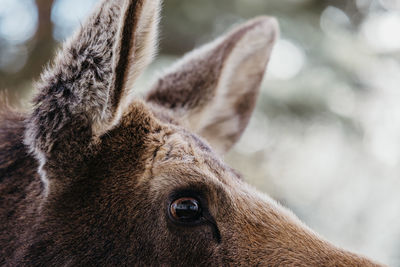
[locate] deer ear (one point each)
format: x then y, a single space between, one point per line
134 50
82 95
92 76
213 90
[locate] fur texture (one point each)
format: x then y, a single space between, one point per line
213 90
87 177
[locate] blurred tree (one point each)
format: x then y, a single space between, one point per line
40 48
184 24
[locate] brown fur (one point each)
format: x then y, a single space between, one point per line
87 177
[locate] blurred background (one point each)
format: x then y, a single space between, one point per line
325 138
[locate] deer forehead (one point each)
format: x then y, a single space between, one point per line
186 152
177 158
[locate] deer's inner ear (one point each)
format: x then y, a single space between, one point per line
134 49
213 90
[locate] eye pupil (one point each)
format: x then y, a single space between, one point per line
185 209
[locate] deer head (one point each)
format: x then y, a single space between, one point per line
140 181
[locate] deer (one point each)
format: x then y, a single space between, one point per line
94 175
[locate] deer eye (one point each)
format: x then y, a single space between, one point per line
185 210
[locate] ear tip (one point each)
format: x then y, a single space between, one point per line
265 26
